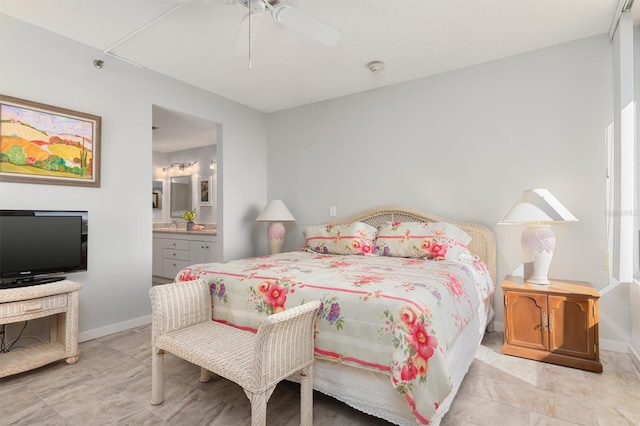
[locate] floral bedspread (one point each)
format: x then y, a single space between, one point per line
393 315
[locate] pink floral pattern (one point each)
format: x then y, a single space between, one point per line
270 296
353 238
410 309
436 241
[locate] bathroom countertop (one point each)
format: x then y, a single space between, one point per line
181 228
183 231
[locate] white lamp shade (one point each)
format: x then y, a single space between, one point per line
538 206
275 211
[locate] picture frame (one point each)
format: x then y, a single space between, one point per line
155 200
205 196
45 144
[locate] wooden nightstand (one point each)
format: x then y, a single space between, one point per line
557 323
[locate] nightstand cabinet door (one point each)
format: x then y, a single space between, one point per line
527 320
572 326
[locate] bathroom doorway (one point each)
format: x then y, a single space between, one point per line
185 177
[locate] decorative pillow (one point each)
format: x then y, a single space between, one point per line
352 238
435 240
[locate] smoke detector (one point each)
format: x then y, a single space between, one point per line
375 66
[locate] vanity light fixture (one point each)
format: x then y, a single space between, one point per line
213 165
179 167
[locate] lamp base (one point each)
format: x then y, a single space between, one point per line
538 243
275 246
540 268
275 234
537 280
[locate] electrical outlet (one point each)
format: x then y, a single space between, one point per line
332 211
606 261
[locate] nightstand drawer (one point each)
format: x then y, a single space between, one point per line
31 306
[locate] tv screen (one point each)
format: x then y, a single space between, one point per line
37 245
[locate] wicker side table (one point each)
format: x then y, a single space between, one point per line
59 301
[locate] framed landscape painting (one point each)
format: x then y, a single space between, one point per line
48 145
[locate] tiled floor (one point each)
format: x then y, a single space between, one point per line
111 385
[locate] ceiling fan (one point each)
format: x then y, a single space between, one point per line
294 19
280 12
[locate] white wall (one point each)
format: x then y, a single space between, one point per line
43 67
634 307
465 144
634 287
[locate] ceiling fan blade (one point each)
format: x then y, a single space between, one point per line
244 42
307 25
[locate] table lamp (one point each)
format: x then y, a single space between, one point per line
276 213
538 208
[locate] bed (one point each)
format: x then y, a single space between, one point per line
396 332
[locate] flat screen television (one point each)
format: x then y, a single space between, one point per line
37 246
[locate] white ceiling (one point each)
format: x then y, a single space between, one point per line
195 42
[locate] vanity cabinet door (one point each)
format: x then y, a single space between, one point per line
157 257
202 252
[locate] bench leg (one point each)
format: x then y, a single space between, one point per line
306 396
157 379
258 409
205 375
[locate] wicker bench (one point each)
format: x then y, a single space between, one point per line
283 346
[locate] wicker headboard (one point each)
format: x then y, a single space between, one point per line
483 242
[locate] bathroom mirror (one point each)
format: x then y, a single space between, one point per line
180 195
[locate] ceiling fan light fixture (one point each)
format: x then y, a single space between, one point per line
375 66
256 6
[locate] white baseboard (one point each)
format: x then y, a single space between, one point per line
113 328
635 358
605 344
614 345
